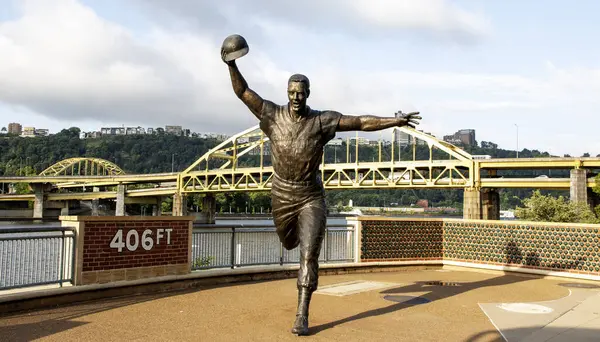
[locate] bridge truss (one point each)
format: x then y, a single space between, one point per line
83 167
242 163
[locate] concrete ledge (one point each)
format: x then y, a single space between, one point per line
523 270
197 279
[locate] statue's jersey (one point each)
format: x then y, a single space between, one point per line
297 144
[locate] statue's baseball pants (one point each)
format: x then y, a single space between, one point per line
300 217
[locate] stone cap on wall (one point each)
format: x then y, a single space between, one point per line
125 218
436 219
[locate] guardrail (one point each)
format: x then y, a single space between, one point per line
246 245
40 255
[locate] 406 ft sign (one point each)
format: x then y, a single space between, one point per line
133 240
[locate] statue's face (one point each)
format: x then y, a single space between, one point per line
297 95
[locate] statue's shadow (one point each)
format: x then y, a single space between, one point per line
432 293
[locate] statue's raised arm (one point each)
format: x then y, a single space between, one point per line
376 123
234 47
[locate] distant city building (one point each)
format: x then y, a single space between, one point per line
150 130
15 128
401 138
464 137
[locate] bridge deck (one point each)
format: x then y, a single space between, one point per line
263 311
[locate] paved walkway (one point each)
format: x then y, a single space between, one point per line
354 307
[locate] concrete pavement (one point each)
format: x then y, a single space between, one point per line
350 307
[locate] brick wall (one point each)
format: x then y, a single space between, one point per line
98 254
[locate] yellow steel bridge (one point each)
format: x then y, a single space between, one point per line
242 163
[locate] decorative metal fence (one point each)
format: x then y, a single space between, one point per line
31 256
246 245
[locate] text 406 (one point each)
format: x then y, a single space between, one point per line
132 239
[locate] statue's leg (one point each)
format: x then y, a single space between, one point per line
311 230
285 217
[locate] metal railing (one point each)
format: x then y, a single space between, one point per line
247 245
32 256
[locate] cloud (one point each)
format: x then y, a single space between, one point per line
435 18
61 60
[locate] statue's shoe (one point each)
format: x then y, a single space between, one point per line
300 326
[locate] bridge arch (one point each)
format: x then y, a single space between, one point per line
224 168
83 167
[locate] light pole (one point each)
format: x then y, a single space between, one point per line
172 162
517 140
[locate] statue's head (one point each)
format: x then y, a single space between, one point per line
298 91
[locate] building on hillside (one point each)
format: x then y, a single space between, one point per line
335 142
135 130
361 140
150 130
177 130
90 135
42 132
28 132
15 128
113 130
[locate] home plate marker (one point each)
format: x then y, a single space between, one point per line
526 308
353 287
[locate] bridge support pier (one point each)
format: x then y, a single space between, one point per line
490 204
157 208
179 204
481 204
38 204
64 211
120 202
579 191
209 209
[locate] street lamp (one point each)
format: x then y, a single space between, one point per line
517 140
172 162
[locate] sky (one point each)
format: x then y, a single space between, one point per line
526 71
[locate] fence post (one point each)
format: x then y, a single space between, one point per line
280 254
325 243
356 238
73 256
62 259
232 247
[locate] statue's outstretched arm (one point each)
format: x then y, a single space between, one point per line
376 123
247 95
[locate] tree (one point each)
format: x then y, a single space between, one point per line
543 208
